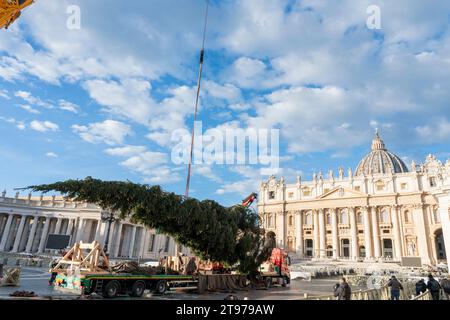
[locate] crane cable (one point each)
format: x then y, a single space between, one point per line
202 56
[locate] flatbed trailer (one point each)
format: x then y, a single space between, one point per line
113 285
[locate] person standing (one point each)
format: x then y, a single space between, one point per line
395 286
343 291
421 287
445 285
434 287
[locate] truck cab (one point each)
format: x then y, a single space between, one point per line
276 269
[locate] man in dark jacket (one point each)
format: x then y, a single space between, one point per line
445 285
421 287
343 292
434 287
396 286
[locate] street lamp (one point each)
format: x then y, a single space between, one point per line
109 218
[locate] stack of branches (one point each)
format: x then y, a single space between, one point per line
229 235
133 267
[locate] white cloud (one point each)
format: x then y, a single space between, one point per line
126 151
171 114
109 132
43 126
435 132
246 72
311 119
29 109
68 106
153 166
227 92
51 155
4 94
207 172
129 98
19 124
28 97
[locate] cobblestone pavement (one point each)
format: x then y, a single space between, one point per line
36 280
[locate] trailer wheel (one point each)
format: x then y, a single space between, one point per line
268 282
111 289
161 287
138 288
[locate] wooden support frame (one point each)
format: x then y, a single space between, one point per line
88 258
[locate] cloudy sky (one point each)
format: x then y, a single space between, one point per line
104 100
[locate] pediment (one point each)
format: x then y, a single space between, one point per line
341 192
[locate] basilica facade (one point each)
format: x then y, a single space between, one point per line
382 211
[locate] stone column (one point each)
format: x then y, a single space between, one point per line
6 232
44 236
280 223
32 234
58 225
444 204
367 234
118 238
80 231
422 234
101 231
397 238
132 242
316 227
322 230
299 233
376 233
111 238
70 226
334 224
19 234
354 233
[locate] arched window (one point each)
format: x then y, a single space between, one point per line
309 219
385 217
343 219
407 216
328 219
359 218
291 221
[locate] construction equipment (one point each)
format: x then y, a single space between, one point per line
10 11
247 202
276 269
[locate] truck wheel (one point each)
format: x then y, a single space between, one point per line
161 287
111 290
268 282
284 282
138 288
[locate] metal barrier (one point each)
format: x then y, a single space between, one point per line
384 293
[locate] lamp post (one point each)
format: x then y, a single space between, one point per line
109 218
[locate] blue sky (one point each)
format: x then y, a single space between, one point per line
104 100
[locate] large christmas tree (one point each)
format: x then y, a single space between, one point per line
229 235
